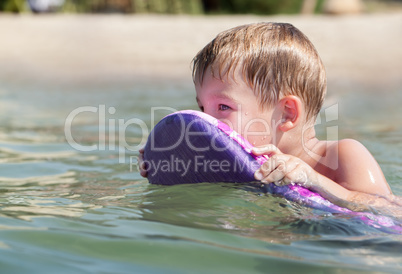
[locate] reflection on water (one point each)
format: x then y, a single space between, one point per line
64 210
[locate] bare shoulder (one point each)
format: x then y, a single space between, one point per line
347 150
354 154
357 168
350 146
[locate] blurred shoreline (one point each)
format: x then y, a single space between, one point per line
114 49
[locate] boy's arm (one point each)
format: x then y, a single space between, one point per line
358 200
358 170
359 185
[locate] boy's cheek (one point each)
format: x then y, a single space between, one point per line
257 132
258 139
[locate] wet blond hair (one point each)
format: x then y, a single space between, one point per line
276 59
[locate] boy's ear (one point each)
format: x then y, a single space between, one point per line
291 108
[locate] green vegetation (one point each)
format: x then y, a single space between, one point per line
260 7
134 6
12 5
167 6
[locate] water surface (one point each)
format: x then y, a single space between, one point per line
64 210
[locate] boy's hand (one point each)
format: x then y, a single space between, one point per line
283 169
141 163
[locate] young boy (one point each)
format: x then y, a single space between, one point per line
268 83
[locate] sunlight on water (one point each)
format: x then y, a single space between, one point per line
63 210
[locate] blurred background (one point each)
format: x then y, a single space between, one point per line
199 6
68 41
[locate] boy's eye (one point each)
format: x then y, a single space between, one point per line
223 107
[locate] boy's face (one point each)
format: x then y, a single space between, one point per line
234 103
